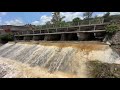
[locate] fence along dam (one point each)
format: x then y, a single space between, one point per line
52 58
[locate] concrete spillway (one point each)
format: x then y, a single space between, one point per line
69 57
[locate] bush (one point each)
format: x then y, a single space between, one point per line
112 28
7 37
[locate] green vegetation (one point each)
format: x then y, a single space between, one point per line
112 28
58 21
87 16
56 18
6 38
76 21
107 17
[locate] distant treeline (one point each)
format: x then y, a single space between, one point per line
58 21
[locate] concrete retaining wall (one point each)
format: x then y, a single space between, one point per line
85 36
28 38
55 37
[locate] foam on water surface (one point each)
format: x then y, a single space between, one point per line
64 57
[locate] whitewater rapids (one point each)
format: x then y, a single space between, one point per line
67 58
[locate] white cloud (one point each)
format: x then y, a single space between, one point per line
0 20
42 20
3 13
36 23
17 22
69 16
114 13
101 14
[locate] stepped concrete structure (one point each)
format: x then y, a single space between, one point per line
78 32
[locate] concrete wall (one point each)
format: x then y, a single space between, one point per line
70 36
37 38
28 38
100 34
54 37
85 36
63 37
19 38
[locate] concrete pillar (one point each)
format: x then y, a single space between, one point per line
15 38
47 37
53 37
36 38
63 37
100 34
18 38
21 38
42 37
28 38
84 36
69 37
72 36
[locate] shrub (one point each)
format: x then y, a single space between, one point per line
7 37
112 28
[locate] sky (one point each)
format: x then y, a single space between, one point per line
39 18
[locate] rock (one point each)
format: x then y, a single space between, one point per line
108 43
116 38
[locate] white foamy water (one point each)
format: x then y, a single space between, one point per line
66 59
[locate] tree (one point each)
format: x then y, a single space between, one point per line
76 20
87 16
97 19
56 18
106 17
48 23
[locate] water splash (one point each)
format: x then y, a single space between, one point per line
66 59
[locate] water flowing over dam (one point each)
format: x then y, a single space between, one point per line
67 57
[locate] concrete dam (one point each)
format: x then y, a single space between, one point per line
53 59
62 52
70 33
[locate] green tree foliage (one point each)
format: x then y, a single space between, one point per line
76 21
48 23
6 37
57 19
112 28
107 17
87 16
